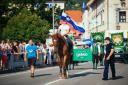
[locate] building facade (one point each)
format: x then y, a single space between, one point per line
106 15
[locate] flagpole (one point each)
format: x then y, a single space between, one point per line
53 19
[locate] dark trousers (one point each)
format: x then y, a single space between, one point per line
95 58
95 61
101 59
106 69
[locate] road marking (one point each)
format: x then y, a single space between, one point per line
55 81
49 83
89 70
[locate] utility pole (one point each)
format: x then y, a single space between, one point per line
107 14
96 17
53 18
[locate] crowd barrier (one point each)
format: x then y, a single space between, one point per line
16 60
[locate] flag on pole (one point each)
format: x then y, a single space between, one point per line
64 16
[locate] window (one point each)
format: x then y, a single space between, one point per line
122 0
122 16
123 4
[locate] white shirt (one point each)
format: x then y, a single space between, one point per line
63 29
26 46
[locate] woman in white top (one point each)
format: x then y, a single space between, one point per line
64 29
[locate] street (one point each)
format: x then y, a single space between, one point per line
82 75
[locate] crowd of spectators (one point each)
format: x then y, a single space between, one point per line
16 50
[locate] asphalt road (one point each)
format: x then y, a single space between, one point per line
82 75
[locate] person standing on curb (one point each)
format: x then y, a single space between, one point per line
96 54
109 59
101 54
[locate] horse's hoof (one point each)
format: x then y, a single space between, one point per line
60 78
65 77
67 74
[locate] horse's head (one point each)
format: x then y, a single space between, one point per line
55 39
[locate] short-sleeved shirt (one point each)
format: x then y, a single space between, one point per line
108 49
63 29
31 51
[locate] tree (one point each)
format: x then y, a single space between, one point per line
10 8
26 25
74 4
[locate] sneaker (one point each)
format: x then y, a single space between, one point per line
32 75
104 78
114 78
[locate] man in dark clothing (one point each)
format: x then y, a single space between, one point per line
109 59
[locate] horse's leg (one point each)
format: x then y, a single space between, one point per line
60 67
70 65
65 67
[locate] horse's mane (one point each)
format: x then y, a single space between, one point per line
61 39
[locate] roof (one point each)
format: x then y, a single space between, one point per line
76 15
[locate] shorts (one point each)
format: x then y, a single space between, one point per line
31 61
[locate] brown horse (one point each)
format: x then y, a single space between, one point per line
64 54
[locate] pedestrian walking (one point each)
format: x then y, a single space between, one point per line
31 55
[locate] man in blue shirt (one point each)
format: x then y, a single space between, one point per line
31 55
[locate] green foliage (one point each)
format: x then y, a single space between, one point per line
12 9
26 25
75 4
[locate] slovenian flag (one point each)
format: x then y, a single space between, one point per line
64 16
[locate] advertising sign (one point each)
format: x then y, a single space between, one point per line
98 36
117 38
82 54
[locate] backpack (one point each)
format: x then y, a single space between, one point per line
95 48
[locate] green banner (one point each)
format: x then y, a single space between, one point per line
117 39
80 54
99 36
